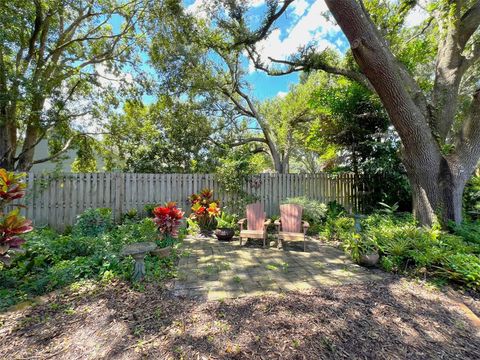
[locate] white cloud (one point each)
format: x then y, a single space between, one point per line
312 27
109 79
282 94
256 3
199 7
299 7
415 17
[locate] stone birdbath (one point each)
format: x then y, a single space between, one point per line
138 251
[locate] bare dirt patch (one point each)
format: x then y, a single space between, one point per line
390 319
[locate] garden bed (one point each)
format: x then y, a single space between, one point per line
395 318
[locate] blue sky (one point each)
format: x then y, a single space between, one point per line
303 23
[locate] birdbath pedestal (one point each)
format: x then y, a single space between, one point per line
138 251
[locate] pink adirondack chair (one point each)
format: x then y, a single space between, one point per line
257 223
290 226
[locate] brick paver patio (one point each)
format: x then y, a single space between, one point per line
217 270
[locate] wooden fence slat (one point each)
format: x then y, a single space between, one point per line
58 200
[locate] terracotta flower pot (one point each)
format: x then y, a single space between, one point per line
224 234
369 259
162 252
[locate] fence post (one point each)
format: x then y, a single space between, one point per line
119 195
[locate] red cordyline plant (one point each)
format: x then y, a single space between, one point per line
204 209
167 218
11 187
12 224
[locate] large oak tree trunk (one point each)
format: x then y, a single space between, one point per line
437 179
436 194
8 142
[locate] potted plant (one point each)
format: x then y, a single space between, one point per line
205 211
225 227
168 220
362 249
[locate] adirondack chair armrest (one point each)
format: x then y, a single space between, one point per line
305 226
241 222
278 224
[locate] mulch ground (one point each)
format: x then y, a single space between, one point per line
391 319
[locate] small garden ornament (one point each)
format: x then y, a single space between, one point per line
138 251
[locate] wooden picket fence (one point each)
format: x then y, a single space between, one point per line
56 200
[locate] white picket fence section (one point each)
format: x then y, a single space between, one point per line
56 200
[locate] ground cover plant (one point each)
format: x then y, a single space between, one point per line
90 251
406 248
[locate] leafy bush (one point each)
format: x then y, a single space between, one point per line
148 210
314 212
469 231
338 228
130 215
471 198
226 220
357 245
464 268
405 247
54 261
334 209
93 222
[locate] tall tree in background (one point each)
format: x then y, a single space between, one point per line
354 127
165 137
438 121
290 118
50 55
195 60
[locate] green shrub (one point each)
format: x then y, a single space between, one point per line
226 220
338 228
335 209
464 268
148 210
405 247
315 212
357 245
469 231
471 198
130 215
93 222
53 261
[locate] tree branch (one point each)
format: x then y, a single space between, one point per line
306 65
259 34
60 152
36 30
248 140
467 146
469 23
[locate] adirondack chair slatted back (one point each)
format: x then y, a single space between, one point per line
291 217
255 216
